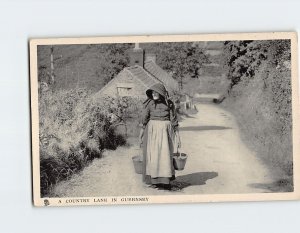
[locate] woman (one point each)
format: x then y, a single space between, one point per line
159 136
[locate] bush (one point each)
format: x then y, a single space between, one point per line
245 58
75 128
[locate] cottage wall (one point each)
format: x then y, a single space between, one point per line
124 84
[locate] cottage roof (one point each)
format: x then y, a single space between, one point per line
170 83
138 72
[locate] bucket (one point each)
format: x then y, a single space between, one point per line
138 164
179 160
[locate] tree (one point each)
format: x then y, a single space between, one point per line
244 58
181 59
114 58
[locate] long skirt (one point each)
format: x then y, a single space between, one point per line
157 153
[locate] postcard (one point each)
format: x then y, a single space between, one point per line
165 119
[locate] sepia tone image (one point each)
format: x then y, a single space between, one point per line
162 119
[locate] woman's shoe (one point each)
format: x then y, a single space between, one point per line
161 186
171 187
154 186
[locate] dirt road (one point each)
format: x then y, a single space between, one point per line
218 162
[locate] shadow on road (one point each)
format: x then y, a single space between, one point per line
180 118
198 178
202 128
282 185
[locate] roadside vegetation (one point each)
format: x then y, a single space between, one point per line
260 97
76 128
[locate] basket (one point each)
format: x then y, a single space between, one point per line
179 160
138 164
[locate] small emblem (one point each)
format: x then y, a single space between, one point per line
46 202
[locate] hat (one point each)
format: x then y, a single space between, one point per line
159 88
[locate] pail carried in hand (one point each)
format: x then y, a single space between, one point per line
138 164
179 160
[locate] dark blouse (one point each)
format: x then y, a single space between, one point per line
160 110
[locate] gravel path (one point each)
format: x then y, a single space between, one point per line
218 162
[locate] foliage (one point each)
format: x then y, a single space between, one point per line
44 75
114 59
181 59
260 97
75 128
244 58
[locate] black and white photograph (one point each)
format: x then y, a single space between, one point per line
164 119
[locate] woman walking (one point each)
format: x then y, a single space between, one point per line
159 136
